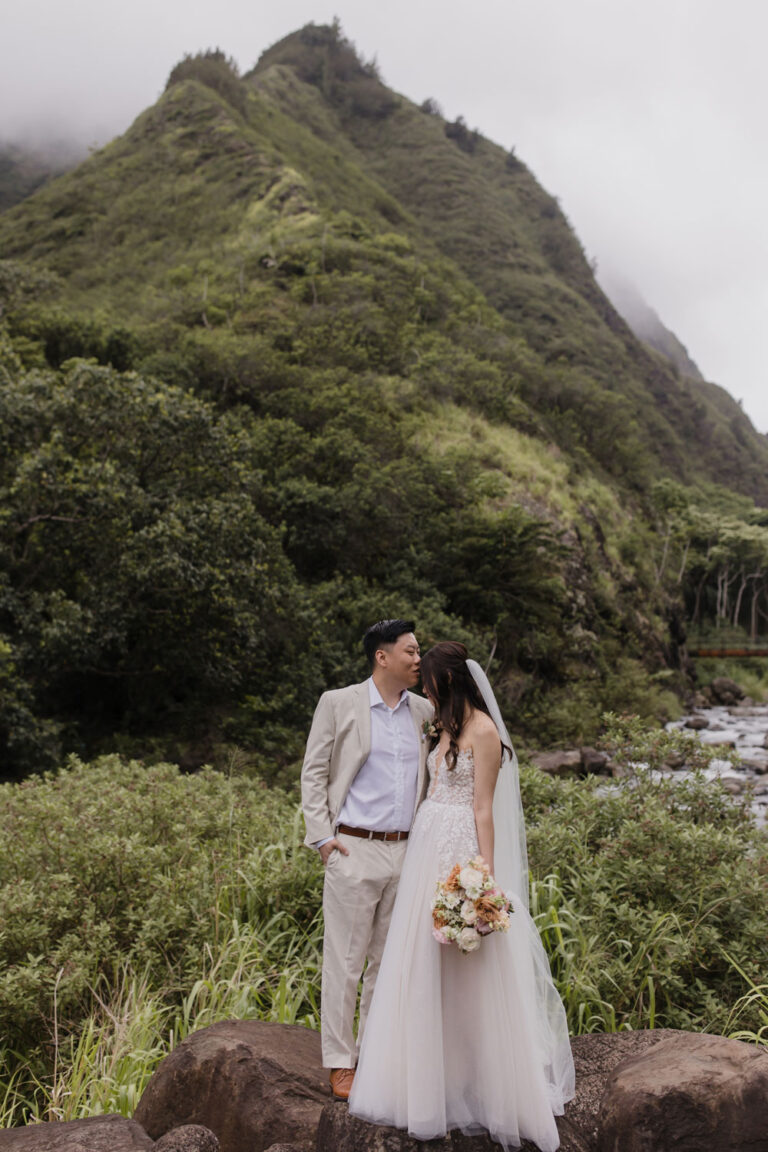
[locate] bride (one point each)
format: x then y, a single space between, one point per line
477 1040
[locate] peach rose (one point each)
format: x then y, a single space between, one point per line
488 909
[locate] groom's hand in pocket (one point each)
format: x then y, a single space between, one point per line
326 849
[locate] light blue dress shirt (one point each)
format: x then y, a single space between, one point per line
382 797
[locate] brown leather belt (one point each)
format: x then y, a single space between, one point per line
370 835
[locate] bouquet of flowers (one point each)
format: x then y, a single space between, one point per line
468 905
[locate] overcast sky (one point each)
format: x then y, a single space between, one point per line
645 117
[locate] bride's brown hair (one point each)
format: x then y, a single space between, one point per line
447 679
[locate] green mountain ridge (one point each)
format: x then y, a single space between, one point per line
393 166
485 211
408 395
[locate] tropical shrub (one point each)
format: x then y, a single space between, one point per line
649 894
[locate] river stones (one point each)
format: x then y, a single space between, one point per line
572 761
561 763
594 762
723 690
758 766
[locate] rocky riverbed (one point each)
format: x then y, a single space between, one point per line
742 728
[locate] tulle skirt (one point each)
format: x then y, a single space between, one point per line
474 1041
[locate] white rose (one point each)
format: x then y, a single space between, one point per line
468 939
468 912
471 880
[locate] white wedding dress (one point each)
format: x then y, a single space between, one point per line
453 1040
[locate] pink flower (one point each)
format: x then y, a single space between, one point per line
440 936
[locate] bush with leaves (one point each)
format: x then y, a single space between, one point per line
652 890
113 863
195 892
217 71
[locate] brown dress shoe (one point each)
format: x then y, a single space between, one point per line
341 1082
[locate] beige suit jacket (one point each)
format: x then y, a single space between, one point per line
339 743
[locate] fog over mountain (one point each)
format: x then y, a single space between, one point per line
645 119
645 322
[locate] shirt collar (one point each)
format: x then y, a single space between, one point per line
375 696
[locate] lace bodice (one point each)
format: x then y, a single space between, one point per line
455 785
447 816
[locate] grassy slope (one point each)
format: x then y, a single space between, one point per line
180 198
492 218
512 240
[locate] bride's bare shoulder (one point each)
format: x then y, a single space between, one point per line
481 728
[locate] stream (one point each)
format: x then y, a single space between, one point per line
744 727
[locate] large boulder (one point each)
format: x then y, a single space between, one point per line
725 691
595 1056
340 1132
561 763
253 1084
111 1133
593 762
688 1093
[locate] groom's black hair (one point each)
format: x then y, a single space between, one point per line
384 632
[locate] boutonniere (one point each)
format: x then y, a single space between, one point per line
430 731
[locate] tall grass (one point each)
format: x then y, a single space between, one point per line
753 1002
649 898
264 972
272 972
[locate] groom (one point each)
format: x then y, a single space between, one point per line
363 777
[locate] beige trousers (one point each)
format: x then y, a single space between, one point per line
358 897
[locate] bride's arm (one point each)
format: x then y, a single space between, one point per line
486 749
